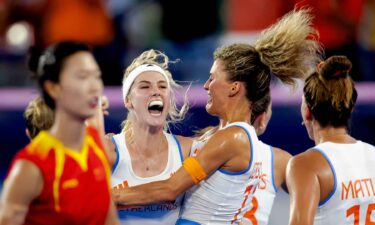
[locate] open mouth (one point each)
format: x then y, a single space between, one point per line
155 107
94 102
209 98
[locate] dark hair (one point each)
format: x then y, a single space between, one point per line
330 93
47 66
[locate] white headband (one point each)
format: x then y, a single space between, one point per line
129 80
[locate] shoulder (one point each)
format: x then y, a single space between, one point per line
185 143
39 150
281 157
110 148
24 171
183 139
227 148
24 183
92 131
309 174
303 170
307 162
308 157
367 145
232 138
25 168
233 134
94 134
109 142
280 162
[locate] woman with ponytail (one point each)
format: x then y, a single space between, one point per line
333 182
225 172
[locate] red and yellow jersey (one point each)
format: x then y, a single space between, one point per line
76 184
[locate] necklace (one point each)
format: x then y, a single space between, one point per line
147 160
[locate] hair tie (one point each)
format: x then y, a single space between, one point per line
337 73
46 59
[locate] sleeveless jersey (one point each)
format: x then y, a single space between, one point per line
223 197
261 204
352 201
76 184
123 176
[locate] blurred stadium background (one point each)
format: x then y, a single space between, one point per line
188 32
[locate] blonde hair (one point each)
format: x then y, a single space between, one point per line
158 58
330 93
38 116
287 49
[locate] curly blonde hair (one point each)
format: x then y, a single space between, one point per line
158 58
38 116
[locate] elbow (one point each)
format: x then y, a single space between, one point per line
300 221
169 197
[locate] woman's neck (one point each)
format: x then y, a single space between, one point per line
332 134
70 131
148 149
239 113
145 138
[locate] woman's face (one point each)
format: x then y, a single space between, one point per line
149 99
217 88
80 85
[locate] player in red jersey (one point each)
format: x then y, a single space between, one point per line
62 176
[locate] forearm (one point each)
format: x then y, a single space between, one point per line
150 193
12 214
112 215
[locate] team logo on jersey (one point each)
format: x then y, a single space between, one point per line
71 183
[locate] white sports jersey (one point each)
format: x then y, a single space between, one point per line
261 204
352 201
222 197
123 176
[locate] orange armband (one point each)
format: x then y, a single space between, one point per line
194 169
